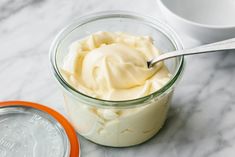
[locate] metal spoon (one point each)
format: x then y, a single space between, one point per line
213 47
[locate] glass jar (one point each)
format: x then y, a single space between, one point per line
117 123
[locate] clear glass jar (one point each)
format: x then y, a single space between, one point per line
117 123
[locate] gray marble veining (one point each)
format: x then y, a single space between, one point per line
201 120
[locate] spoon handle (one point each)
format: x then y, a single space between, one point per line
213 47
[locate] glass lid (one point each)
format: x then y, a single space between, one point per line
26 131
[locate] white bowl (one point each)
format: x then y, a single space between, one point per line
205 20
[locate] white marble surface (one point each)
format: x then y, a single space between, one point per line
201 121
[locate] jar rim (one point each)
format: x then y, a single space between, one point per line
166 30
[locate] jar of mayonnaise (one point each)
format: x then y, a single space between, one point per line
117 123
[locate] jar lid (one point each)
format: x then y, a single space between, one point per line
30 129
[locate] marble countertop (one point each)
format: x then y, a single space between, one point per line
201 120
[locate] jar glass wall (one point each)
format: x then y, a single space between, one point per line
117 123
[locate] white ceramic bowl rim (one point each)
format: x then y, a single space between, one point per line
192 22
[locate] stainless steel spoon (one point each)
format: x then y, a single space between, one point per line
213 47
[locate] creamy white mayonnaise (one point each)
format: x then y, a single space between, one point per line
112 66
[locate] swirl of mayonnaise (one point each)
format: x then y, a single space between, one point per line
112 66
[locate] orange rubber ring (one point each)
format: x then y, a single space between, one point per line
74 143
